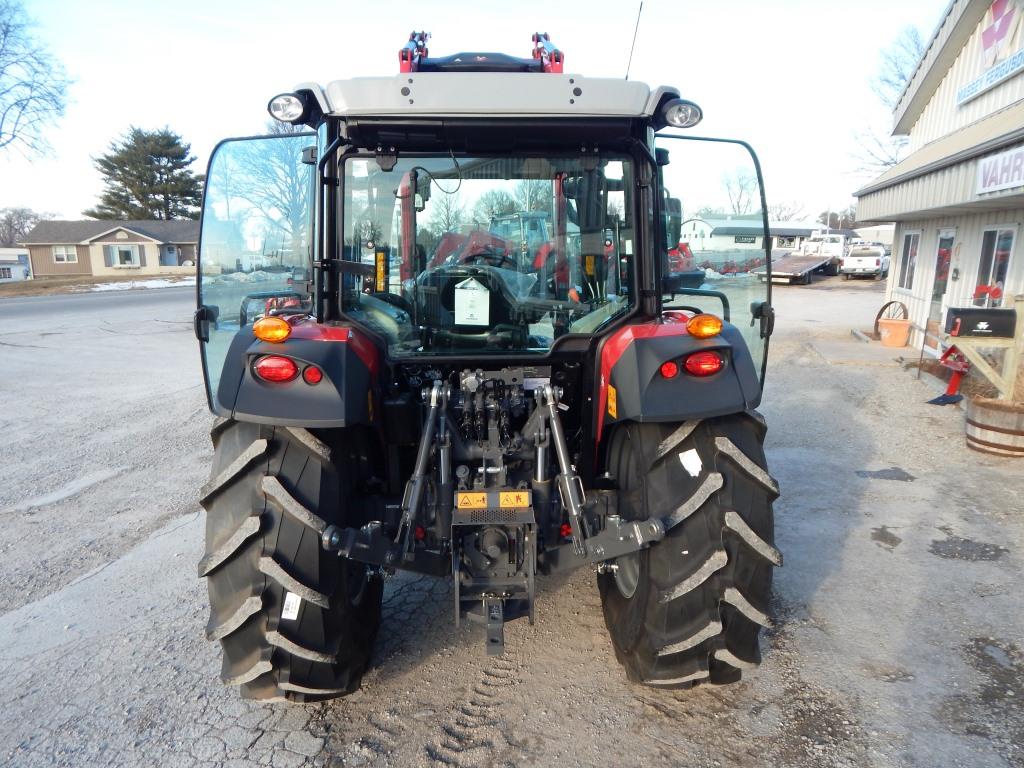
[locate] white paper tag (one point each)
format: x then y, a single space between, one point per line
691 462
472 303
291 606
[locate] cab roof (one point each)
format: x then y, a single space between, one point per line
487 94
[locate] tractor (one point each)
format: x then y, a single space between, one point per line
402 385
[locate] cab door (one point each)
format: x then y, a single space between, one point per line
717 248
254 247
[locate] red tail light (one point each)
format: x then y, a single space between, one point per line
669 370
878 262
312 375
275 368
703 363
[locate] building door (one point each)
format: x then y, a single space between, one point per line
943 255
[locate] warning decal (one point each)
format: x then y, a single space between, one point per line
471 500
613 409
514 499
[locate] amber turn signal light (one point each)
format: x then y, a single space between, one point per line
273 329
704 326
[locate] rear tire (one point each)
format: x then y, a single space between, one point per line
690 608
271 493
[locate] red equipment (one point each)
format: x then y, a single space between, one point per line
551 59
410 54
415 51
955 360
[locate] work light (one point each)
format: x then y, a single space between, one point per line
288 108
681 113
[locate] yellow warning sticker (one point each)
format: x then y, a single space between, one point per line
381 283
613 409
588 265
514 499
471 500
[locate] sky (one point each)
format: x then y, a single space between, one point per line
790 77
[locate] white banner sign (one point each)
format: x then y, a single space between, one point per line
1002 171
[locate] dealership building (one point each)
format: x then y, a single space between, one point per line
957 200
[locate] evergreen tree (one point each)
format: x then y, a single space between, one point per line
147 176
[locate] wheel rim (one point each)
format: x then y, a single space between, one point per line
627 575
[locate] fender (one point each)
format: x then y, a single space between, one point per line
631 387
346 396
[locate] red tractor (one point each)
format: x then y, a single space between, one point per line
405 394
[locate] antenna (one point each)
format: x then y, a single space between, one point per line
631 47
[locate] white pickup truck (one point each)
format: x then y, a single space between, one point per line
865 261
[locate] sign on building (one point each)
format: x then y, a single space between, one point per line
1001 51
1002 171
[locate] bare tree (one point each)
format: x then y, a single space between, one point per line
270 177
32 83
494 202
876 149
533 194
446 213
846 219
786 210
899 62
15 223
742 189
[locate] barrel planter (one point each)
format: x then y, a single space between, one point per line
995 426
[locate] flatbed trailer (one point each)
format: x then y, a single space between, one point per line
794 268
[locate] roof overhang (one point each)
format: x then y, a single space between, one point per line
996 131
951 35
487 94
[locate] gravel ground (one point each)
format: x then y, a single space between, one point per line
900 631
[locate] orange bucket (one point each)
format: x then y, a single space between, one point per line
893 333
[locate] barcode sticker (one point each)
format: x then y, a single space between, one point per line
291 606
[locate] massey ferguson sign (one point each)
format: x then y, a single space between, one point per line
1001 51
1002 171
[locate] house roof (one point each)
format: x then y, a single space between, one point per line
81 232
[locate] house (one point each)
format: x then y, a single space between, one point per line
14 265
99 248
957 200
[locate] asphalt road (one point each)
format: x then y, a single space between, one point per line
900 623
26 307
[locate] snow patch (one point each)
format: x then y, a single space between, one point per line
154 283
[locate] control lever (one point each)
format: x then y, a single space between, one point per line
570 486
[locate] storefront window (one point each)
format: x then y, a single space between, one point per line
996 248
908 260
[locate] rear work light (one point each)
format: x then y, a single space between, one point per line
275 368
703 363
704 326
273 329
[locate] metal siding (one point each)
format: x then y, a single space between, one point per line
942 116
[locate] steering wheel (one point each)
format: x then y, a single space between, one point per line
490 258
